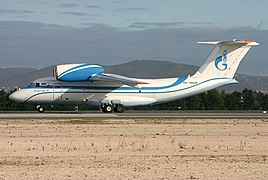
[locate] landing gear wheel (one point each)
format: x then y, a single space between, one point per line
120 108
40 109
107 108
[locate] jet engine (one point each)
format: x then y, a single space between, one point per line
76 72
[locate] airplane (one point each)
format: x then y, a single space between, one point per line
88 84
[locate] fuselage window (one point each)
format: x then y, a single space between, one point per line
37 84
43 84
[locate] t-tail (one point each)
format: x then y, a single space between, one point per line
224 59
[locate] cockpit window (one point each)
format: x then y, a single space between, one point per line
34 85
39 85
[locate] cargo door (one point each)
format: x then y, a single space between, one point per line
57 91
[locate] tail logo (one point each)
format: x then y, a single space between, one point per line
220 62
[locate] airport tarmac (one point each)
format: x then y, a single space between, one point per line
135 115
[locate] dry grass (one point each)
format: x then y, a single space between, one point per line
133 149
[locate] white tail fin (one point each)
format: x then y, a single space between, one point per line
225 58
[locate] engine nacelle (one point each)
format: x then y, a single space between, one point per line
76 72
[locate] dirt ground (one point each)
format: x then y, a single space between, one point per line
133 149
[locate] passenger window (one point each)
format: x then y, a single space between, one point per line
37 84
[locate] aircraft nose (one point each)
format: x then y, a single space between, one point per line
17 96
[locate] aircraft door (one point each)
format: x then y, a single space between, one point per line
57 91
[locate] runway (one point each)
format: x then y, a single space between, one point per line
134 115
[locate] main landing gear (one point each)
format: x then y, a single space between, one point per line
109 108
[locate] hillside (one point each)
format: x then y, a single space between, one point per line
152 69
20 77
16 77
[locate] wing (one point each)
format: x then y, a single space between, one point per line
116 78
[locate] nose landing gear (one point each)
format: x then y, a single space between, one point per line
40 109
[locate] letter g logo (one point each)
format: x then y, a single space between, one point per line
220 62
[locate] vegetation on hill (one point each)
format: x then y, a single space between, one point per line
211 100
217 100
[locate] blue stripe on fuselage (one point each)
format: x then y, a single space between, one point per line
127 92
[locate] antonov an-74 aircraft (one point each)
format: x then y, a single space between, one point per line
85 83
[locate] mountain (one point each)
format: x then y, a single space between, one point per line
16 77
20 77
151 69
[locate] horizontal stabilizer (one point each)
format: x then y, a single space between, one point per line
234 42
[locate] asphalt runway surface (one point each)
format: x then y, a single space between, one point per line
135 115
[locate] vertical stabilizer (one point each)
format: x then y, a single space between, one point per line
225 58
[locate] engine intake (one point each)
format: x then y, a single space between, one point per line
76 72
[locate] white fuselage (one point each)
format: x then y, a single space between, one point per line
51 91
86 83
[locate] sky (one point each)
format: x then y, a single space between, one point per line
40 33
